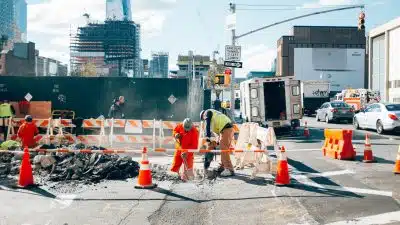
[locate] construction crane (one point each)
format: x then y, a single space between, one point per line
232 8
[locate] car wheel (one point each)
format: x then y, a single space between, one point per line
327 119
379 127
355 124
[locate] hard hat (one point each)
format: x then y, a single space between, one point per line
187 124
28 118
201 114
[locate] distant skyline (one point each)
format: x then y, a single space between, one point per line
177 26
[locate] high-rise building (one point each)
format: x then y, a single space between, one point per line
106 49
118 10
159 65
13 21
201 64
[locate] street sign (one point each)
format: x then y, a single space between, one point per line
233 64
231 22
233 53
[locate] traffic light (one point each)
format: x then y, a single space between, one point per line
227 78
219 79
361 21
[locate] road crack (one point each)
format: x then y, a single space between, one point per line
130 211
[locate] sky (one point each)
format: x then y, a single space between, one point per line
177 26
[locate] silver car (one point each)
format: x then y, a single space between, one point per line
379 116
335 111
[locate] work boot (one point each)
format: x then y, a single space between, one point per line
227 173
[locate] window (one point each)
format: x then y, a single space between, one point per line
376 108
369 108
253 93
393 107
254 112
296 109
295 90
339 104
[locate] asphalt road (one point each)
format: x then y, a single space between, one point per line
322 191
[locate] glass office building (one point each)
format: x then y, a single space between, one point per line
13 20
118 10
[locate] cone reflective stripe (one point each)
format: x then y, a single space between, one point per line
282 170
306 130
144 178
25 172
368 155
397 164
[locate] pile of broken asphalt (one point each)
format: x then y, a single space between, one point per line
83 167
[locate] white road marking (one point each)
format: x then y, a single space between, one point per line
328 174
383 218
307 181
351 189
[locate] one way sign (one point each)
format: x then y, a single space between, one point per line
233 64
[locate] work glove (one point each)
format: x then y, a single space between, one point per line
184 155
178 137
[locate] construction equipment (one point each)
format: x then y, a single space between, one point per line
358 98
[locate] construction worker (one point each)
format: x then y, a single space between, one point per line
186 137
6 111
116 109
27 132
221 125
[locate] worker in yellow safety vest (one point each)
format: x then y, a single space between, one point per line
6 111
221 125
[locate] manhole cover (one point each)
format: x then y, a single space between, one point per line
172 99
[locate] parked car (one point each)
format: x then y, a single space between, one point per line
379 116
335 111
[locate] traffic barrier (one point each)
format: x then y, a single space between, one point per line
338 144
396 169
368 156
144 178
25 171
282 170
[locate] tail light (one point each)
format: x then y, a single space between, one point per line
334 110
393 117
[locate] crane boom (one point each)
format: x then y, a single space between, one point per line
299 17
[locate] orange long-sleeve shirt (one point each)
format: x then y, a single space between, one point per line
190 139
27 132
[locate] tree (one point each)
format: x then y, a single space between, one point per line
88 70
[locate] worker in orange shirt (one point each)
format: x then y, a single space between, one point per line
186 137
27 132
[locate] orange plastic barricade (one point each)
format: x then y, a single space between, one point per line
338 144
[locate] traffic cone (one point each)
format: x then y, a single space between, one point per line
144 178
282 170
306 130
368 156
397 165
25 171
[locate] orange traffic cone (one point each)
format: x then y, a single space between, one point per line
282 170
25 171
368 156
306 130
144 179
397 165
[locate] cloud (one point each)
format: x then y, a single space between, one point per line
257 58
51 22
327 3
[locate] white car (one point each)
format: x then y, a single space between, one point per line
379 116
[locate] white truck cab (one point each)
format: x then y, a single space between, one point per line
273 102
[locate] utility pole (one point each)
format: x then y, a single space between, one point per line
232 106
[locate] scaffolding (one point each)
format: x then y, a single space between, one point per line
106 46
